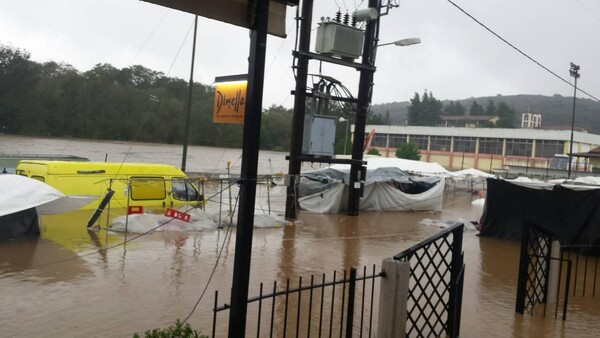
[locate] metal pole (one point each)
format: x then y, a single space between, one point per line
189 103
252 118
346 135
574 72
362 107
299 109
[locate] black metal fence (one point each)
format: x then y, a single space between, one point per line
320 308
584 280
535 264
576 273
344 305
435 284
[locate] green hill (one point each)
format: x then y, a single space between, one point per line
556 110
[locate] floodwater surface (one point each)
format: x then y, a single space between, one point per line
75 283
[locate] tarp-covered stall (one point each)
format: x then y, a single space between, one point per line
23 198
571 212
386 189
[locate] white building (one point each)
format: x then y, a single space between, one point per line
483 148
531 120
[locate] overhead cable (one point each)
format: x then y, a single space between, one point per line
521 52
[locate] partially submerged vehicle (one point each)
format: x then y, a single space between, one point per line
153 186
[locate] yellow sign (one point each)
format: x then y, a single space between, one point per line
230 102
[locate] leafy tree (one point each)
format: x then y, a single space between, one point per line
425 111
506 116
476 109
18 79
275 130
454 109
378 119
408 151
490 109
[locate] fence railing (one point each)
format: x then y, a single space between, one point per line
435 284
322 308
420 296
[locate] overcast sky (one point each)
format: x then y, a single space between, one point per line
457 58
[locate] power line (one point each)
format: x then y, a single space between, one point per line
587 10
521 52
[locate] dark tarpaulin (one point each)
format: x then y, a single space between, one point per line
20 224
572 215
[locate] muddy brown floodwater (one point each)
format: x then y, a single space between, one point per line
70 283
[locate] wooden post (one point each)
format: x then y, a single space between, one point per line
393 295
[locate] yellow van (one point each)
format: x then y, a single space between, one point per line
152 186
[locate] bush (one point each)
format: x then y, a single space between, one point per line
177 330
408 151
373 151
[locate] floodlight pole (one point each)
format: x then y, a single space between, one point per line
365 90
252 119
574 72
189 103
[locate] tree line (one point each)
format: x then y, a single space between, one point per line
139 104
426 110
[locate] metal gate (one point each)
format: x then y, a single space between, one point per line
535 261
436 284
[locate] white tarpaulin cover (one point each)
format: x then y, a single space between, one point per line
19 193
386 189
410 166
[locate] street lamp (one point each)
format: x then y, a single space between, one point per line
402 43
574 72
341 119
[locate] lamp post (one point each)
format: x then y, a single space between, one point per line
341 119
574 72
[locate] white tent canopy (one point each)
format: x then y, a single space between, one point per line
19 193
410 166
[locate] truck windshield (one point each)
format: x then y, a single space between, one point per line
184 190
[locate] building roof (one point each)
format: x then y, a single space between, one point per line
594 153
513 133
467 118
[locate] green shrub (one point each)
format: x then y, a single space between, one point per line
373 151
178 330
408 151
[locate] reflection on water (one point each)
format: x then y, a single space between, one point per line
71 282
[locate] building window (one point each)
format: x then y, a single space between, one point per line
490 146
419 140
518 147
548 148
466 144
379 140
397 140
441 143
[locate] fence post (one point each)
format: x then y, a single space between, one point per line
554 274
456 283
393 295
523 268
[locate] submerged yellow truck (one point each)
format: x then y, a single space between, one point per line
152 186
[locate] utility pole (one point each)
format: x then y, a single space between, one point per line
189 103
299 109
365 89
574 72
252 119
